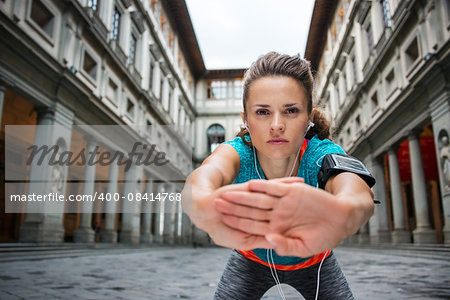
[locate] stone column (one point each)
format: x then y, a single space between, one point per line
159 212
179 223
146 236
423 234
109 235
130 231
399 235
186 229
363 236
44 221
169 216
383 236
2 95
373 221
85 233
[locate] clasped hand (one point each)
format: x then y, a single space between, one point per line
285 214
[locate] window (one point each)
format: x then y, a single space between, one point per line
112 91
215 135
94 4
390 81
161 86
412 53
43 17
386 13
152 71
374 103
238 88
358 122
217 89
353 62
132 55
154 5
148 128
116 24
130 108
369 36
169 98
90 65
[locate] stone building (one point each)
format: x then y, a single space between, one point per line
382 74
125 63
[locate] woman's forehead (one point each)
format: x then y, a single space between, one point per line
276 90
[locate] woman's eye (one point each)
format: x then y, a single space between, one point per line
261 112
292 110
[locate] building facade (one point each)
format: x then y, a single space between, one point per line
218 106
382 74
126 63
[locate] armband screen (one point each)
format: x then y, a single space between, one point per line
337 163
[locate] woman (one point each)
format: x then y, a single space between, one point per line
283 213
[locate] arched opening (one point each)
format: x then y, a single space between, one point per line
215 135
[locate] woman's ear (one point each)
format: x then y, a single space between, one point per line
243 117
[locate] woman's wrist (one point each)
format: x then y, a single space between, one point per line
356 210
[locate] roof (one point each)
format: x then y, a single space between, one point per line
181 19
322 15
225 73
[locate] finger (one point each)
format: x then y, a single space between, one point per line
285 246
230 208
252 199
246 225
271 187
289 179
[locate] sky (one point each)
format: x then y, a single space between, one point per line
233 33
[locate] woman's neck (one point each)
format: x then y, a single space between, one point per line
277 168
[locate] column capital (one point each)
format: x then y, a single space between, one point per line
413 134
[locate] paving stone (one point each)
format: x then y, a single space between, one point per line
186 273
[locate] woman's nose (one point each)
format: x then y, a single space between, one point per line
277 123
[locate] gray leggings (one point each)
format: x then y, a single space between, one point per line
246 279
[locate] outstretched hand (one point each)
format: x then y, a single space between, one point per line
296 219
210 219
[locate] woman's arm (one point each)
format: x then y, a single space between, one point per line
217 170
207 183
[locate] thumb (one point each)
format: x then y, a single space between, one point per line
286 246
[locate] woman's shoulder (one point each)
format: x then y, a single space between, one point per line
238 144
318 148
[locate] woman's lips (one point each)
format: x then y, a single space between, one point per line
277 141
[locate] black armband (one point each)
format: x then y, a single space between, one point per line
336 163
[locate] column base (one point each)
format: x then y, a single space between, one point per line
168 239
157 239
363 238
353 239
38 232
84 235
400 236
381 237
108 236
424 236
129 237
146 238
446 236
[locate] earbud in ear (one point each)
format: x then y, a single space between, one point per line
311 124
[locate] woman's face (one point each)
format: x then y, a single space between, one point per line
277 115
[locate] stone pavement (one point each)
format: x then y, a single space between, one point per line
164 272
